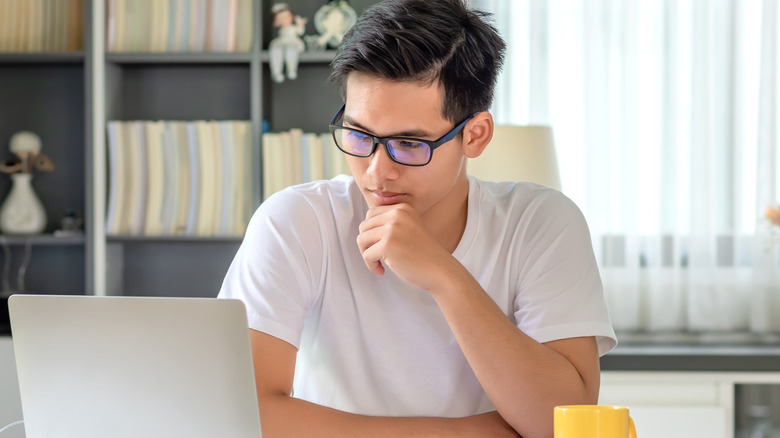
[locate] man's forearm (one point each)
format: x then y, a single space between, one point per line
523 378
284 416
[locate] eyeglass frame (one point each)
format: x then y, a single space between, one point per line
432 144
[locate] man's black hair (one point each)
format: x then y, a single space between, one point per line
426 41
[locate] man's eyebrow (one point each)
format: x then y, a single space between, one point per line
416 133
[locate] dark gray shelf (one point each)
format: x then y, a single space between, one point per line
174 239
314 57
42 58
324 56
43 240
180 58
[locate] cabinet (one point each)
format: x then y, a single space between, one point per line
681 404
68 98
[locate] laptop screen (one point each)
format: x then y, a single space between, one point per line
134 367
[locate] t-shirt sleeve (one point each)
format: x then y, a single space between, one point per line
276 269
560 291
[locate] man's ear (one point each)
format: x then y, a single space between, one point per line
477 134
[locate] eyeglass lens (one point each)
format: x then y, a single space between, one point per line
404 151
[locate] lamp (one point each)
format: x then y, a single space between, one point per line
519 153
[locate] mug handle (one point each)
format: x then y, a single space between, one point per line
631 428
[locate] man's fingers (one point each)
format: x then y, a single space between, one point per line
367 242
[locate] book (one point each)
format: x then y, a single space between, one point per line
199 27
170 166
75 25
143 25
273 164
214 25
338 159
111 18
230 31
161 44
228 196
173 15
121 31
115 174
243 134
207 179
155 178
47 25
137 179
151 12
184 183
124 157
316 164
21 26
12 24
130 12
194 174
217 167
179 21
35 43
294 158
244 26
6 22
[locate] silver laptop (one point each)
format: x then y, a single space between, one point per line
97 367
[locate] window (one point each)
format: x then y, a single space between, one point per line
665 115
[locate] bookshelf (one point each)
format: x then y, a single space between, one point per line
46 93
219 86
69 97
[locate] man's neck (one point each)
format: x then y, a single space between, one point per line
446 221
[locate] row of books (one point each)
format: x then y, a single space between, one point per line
41 25
294 157
170 178
179 25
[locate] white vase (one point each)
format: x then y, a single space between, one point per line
22 211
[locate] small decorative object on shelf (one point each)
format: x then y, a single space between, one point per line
70 225
22 211
285 49
332 21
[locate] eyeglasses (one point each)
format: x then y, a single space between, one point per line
403 150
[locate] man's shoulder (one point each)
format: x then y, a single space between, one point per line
515 192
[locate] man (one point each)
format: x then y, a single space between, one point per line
414 300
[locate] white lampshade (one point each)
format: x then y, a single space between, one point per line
519 153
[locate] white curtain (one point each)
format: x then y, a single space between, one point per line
665 114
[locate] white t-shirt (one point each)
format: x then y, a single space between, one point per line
376 345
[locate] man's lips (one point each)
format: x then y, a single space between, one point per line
386 198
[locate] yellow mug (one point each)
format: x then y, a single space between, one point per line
593 421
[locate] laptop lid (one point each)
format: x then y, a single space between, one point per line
96 367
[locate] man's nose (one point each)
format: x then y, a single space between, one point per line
382 165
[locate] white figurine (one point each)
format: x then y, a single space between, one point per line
332 21
285 48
